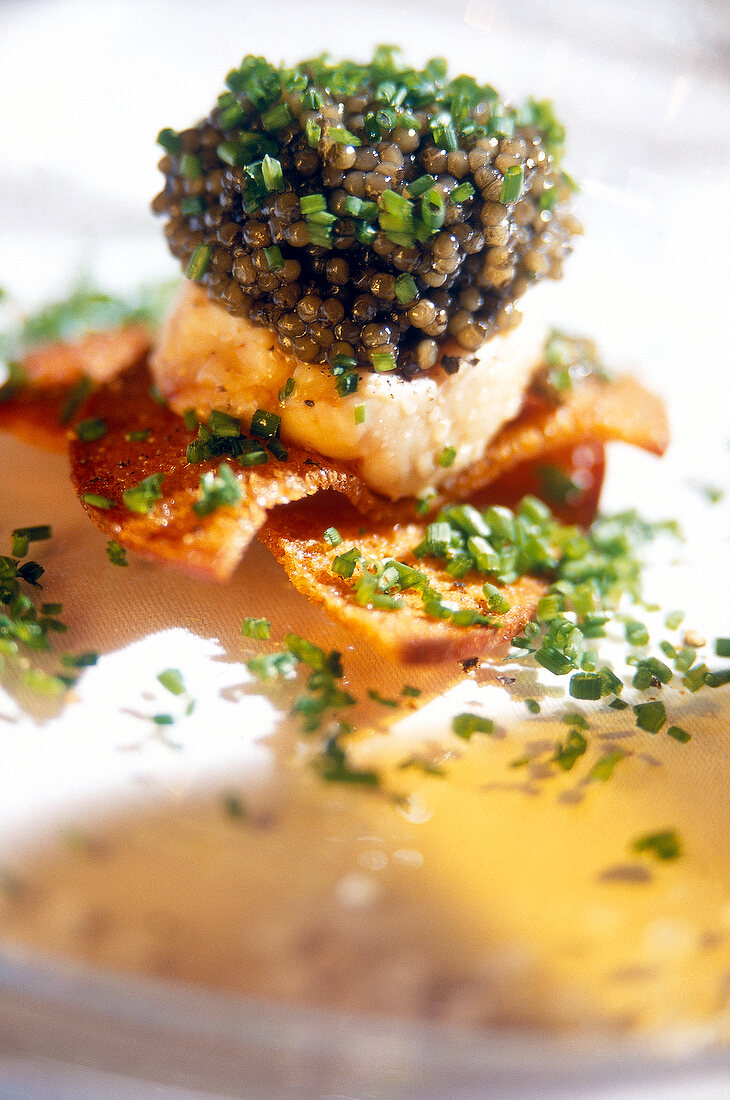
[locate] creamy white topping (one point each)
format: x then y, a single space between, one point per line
208 359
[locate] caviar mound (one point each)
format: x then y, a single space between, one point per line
367 214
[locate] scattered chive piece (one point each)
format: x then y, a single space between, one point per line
618 704
42 683
256 628
568 753
265 424
253 458
447 456
663 845
190 166
360 414
140 436
170 141
674 619
514 178
313 132
383 361
718 679
142 497
287 390
276 118
274 258
722 647
533 706
163 719
310 204
116 553
172 680
347 383
272 173
586 685
97 501
463 192
405 288
573 718
344 564
217 490
233 807
332 536
695 678
277 449
464 725
378 698
198 264
650 716
679 734
79 660
192 205
342 136
421 185
602 770
636 633
22 537
90 430
410 692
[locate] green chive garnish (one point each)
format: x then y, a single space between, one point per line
311 204
586 685
256 628
272 172
276 118
274 258
464 725
406 290
447 456
383 361
650 716
679 734
90 430
264 424
514 178
190 166
170 141
198 263
142 497
722 647
172 680
97 501
663 845
116 553
360 412
332 536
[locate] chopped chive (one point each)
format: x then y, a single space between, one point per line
313 132
272 172
311 204
162 719
332 536
603 769
533 706
679 734
342 136
277 449
157 396
421 185
433 209
277 117
636 633
650 716
256 628
378 698
190 166
674 619
90 430
287 390
618 704
217 490
383 361
553 660
718 679
116 553
170 141
406 290
463 192
663 845
198 263
585 685
514 178
567 754
347 383
97 501
230 116
172 680
410 692
39 533
344 564
360 412
79 660
265 424
257 457
139 436
192 205
447 456
722 647
142 497
573 718
696 677
274 258
464 725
